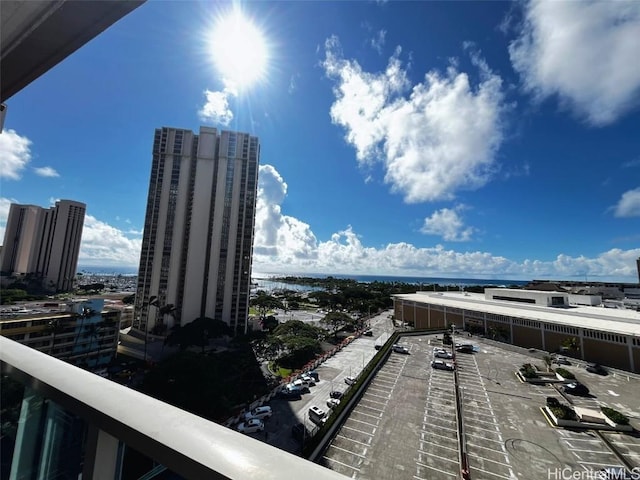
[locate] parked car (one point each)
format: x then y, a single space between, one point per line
368 333
595 368
350 380
442 365
441 353
287 394
308 379
299 432
251 426
333 402
464 348
300 387
561 361
576 388
301 383
259 412
317 415
400 349
313 374
336 394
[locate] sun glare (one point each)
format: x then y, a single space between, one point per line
239 50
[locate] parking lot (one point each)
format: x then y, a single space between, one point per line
405 424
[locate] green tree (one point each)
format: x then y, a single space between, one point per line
197 333
264 303
335 321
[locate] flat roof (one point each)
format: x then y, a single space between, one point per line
612 320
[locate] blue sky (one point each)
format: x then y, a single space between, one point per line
459 139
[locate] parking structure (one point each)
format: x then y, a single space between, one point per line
405 424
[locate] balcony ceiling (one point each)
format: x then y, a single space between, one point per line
36 35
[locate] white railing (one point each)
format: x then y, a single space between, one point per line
188 445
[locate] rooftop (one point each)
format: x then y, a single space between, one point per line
623 322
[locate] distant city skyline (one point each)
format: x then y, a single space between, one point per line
430 139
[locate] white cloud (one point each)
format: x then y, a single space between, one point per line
293 83
583 51
216 108
629 204
46 172
447 223
378 41
284 244
15 154
104 245
279 238
440 139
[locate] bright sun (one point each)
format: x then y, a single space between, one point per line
239 50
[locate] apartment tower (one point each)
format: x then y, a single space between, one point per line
198 231
44 243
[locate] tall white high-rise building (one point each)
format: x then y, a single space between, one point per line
198 231
44 243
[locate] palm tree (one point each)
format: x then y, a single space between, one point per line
54 327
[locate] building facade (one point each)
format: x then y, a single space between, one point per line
44 244
543 320
80 332
197 244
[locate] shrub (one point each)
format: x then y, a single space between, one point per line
528 371
563 412
615 416
564 373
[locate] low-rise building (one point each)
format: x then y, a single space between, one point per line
81 332
533 319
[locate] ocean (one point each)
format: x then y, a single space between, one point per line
268 281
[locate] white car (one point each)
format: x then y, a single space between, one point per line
251 426
350 380
400 349
442 365
310 381
259 412
333 402
441 353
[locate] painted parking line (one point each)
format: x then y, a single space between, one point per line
374 425
369 394
434 434
435 469
493 474
359 431
475 445
340 463
374 387
373 401
350 452
472 419
441 428
467 434
353 440
446 459
438 445
360 405
485 459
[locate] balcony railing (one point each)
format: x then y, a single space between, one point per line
186 444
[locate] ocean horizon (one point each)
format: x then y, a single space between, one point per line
268 280
261 276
